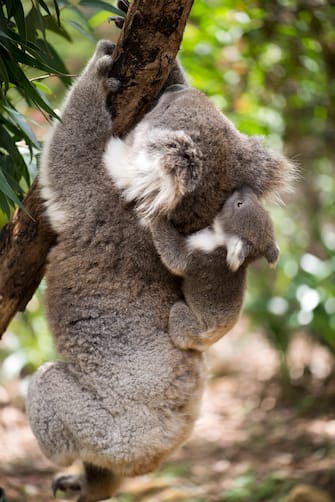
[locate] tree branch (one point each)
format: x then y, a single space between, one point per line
144 56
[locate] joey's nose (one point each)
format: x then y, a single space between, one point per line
272 254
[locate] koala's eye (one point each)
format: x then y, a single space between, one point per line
239 203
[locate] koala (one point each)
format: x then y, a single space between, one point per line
125 395
213 263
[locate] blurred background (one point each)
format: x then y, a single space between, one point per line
270 67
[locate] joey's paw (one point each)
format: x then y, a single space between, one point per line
237 252
180 158
199 342
69 485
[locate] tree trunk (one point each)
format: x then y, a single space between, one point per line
144 56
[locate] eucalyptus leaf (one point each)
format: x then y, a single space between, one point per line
6 189
100 4
82 30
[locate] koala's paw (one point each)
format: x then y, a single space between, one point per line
180 158
69 485
237 252
103 63
103 48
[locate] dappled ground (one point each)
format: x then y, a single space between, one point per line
257 439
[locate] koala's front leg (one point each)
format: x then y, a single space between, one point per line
84 113
187 332
170 245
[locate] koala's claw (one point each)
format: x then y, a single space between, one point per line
123 5
117 20
70 485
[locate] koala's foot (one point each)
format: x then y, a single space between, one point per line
70 485
185 329
187 333
93 485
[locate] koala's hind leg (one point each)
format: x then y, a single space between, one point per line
188 333
66 419
93 484
49 426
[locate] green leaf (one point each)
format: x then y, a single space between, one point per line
5 208
49 53
57 11
4 75
44 6
42 87
27 89
19 120
6 189
100 4
20 20
82 30
53 25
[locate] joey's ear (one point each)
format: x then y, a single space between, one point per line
272 254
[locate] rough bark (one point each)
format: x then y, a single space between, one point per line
144 56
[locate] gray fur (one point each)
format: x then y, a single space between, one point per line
213 292
126 396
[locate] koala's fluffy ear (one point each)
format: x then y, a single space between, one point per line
182 161
272 254
175 164
155 169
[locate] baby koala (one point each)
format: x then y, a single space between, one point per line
213 263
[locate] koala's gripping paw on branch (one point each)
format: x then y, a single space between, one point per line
101 65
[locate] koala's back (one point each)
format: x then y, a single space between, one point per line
108 301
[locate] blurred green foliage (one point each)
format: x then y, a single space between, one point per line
270 66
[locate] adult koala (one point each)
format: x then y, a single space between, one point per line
125 396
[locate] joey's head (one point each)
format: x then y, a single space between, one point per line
244 216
